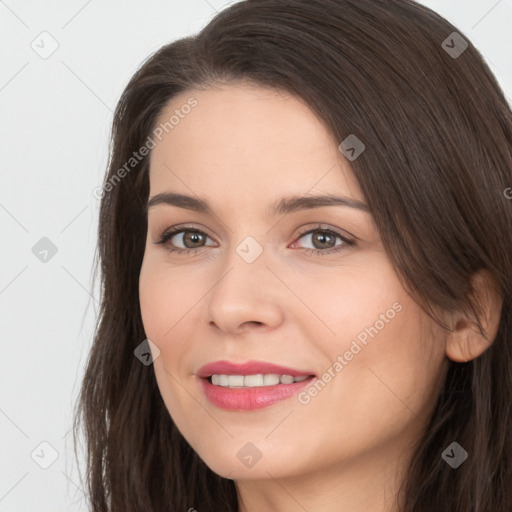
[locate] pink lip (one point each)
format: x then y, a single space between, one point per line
248 368
244 399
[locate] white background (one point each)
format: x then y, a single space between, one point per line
54 128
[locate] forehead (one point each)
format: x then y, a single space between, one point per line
246 139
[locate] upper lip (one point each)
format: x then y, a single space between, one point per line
247 368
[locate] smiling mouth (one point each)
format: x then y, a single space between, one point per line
252 392
255 380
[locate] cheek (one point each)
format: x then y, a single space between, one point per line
391 366
150 299
379 330
376 335
162 300
353 304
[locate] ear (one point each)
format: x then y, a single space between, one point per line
465 341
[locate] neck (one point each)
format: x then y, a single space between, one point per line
368 483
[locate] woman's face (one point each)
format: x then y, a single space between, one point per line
276 287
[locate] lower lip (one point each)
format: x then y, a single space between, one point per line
248 399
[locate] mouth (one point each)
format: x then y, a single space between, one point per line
250 385
250 369
252 397
255 380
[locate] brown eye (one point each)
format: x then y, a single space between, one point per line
189 239
194 238
324 240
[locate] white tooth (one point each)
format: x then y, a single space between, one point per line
235 381
270 379
286 379
253 380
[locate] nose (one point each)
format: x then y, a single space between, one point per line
246 296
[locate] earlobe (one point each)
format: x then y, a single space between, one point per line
465 342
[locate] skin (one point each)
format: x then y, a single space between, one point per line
242 148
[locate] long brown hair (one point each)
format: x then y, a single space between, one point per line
437 131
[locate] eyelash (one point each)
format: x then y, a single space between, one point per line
167 235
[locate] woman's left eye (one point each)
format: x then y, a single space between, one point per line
324 237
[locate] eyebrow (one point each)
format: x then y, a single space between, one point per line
283 206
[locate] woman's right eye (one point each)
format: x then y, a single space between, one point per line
186 236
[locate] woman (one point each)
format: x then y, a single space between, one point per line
233 369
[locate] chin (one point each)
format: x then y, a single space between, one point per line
239 466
